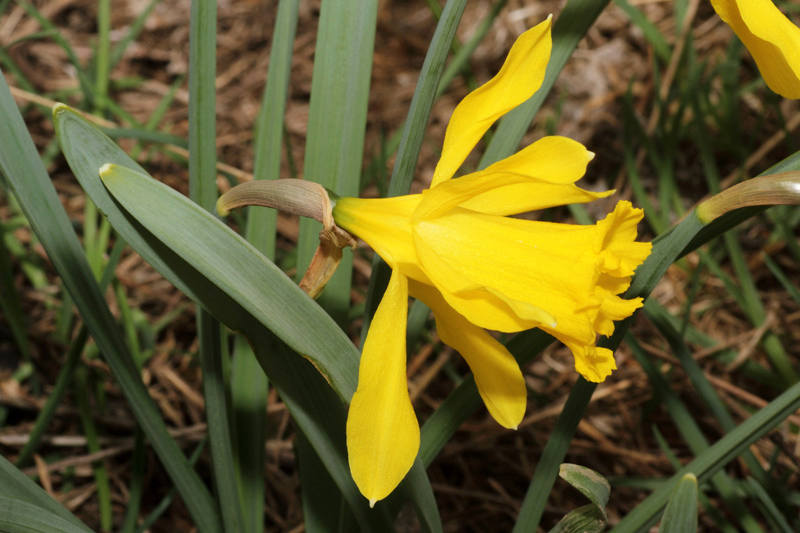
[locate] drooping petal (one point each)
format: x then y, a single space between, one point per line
382 429
497 374
521 76
771 38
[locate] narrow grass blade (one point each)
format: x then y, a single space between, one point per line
136 487
133 31
18 516
680 516
544 477
203 190
772 512
56 395
571 25
416 487
166 501
460 59
34 190
249 400
19 487
322 502
81 391
102 57
248 381
72 57
714 458
650 30
658 317
780 275
336 124
694 437
9 301
424 96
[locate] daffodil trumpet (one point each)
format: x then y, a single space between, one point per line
455 248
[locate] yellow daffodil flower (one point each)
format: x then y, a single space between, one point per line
771 38
454 248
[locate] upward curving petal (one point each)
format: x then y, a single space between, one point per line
382 429
539 176
771 38
497 374
521 76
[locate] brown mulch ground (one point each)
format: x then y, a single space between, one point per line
483 473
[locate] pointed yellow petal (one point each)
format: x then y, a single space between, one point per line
525 197
537 177
552 159
771 38
497 374
382 429
521 76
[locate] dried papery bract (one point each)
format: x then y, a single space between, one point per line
304 198
776 189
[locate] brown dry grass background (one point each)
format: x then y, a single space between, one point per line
482 474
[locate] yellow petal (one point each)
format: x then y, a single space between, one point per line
540 263
524 197
521 76
595 364
490 311
385 224
382 429
771 38
621 253
552 159
497 374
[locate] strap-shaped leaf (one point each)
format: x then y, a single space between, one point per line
590 483
18 516
589 518
313 404
303 325
236 268
586 519
14 484
680 516
31 185
242 288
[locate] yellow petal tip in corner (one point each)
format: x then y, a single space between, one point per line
372 503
